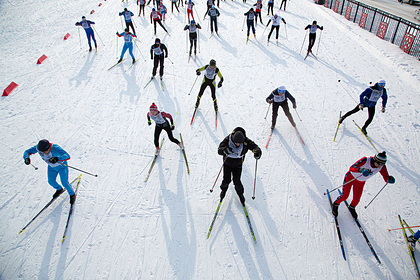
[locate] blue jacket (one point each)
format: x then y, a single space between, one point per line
127 15
372 94
85 24
56 151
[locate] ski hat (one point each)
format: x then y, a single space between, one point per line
157 41
238 137
125 9
213 7
314 22
212 62
276 15
153 107
126 30
381 83
43 145
83 17
380 158
251 10
192 22
153 9
281 89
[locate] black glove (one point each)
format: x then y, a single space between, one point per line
198 72
294 106
117 33
219 85
27 161
391 179
257 154
172 126
53 160
149 122
166 55
227 151
269 101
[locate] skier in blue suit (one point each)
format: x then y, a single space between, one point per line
368 99
128 44
89 31
56 158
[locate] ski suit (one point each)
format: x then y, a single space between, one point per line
312 34
280 99
250 17
192 28
159 51
162 123
86 24
128 22
275 25
208 80
128 44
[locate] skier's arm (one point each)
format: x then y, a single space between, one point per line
149 122
356 166
151 52
254 148
164 50
291 98
30 151
78 23
59 153
268 23
309 26
364 95
283 20
384 173
186 27
223 146
384 99
269 99
198 26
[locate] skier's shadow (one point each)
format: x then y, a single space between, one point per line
133 89
83 75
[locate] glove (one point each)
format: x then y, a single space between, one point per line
166 55
198 72
383 110
269 101
365 172
172 126
151 58
294 106
391 180
257 154
116 33
361 106
53 160
227 151
219 85
27 161
149 122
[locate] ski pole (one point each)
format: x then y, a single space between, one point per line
116 48
298 114
376 195
255 177
403 228
170 60
36 168
306 34
268 109
264 29
198 40
139 50
243 24
193 85
218 175
186 42
79 169
319 41
98 35
344 184
122 25
285 29
80 41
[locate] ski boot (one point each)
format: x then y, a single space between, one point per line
353 211
58 192
72 198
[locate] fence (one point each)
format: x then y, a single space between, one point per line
386 26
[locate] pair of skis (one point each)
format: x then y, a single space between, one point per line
151 79
158 152
132 64
404 225
78 178
358 225
297 132
215 118
307 54
247 218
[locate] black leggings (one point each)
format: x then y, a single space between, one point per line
285 107
228 173
166 127
277 27
371 114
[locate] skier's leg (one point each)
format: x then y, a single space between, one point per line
158 130
346 188
371 114
52 173
64 177
237 171
170 135
286 111
274 116
355 110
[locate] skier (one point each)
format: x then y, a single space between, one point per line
193 35
128 44
356 177
89 31
190 6
270 7
56 158
174 4
161 121
213 14
210 4
276 25
312 34
278 97
250 16
233 149
157 17
162 10
412 239
142 3
258 8
159 51
281 4
368 99
208 80
127 17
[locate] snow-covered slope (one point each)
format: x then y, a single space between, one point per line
123 228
